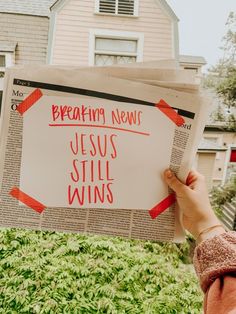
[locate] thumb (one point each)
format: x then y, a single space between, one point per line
173 182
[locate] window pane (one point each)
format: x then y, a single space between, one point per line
116 45
104 60
2 61
109 60
125 59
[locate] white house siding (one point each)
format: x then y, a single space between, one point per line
29 32
70 44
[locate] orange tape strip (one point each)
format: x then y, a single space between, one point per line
162 206
27 200
170 112
29 101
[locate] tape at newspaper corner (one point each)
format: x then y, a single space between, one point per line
27 200
29 101
162 206
170 112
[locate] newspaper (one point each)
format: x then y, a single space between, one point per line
69 83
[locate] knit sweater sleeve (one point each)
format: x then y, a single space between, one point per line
214 258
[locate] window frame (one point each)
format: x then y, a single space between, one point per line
192 68
9 61
136 10
109 34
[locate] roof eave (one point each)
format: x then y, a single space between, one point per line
197 63
168 10
55 4
207 150
216 128
163 4
26 14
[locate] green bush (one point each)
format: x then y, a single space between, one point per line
48 272
220 196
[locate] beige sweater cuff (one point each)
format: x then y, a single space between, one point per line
215 257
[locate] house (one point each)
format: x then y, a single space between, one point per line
220 145
224 164
95 32
193 63
99 32
24 29
104 32
209 153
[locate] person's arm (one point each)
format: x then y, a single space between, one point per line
215 255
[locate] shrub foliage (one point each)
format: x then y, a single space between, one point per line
222 195
48 272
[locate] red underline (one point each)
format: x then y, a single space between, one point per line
101 126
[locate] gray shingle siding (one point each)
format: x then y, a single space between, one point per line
29 32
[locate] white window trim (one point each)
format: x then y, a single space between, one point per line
136 10
93 33
9 61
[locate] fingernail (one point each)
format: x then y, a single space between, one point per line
169 174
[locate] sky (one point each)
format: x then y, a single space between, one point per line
202 26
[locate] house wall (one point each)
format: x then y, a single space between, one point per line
223 139
29 32
72 24
193 67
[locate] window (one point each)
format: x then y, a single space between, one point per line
114 51
2 60
117 7
112 47
7 56
191 69
6 59
2 65
2 72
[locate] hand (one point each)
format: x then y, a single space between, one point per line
193 200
